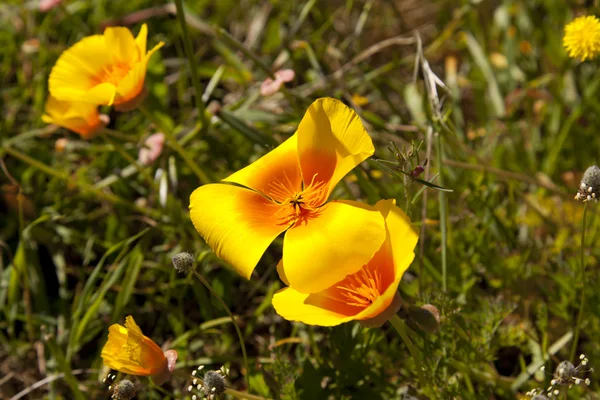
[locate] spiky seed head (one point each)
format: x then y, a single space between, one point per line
591 177
214 383
565 371
124 390
183 261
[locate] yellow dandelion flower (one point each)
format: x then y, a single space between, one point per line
129 351
582 38
103 69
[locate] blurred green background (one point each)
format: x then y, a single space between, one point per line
86 238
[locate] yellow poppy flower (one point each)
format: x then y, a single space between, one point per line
582 38
82 118
103 69
129 351
287 190
369 295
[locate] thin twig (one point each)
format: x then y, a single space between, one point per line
189 52
582 279
235 324
47 380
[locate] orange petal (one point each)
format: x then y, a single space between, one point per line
237 223
79 117
336 242
331 141
394 257
276 174
133 83
312 309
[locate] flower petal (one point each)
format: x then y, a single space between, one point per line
397 251
141 38
77 68
237 223
82 118
311 309
276 174
402 235
121 45
133 83
331 141
337 242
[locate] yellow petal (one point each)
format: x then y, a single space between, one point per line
122 46
401 233
386 298
311 309
331 141
140 40
396 254
275 174
337 242
237 223
77 68
103 93
82 118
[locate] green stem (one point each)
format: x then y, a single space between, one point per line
174 144
142 171
582 277
83 186
443 212
242 395
189 52
400 327
235 324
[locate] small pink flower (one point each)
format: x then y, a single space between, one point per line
270 86
47 5
153 146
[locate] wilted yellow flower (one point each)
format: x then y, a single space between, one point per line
129 351
82 118
582 37
369 295
103 69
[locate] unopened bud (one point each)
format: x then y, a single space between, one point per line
214 383
426 317
183 261
589 188
124 390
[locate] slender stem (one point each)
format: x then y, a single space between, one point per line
83 186
132 161
443 211
582 278
174 144
235 324
189 52
398 324
242 395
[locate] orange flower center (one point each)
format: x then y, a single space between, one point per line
297 205
360 289
112 73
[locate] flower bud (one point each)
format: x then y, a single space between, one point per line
427 317
214 384
183 261
124 390
589 189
